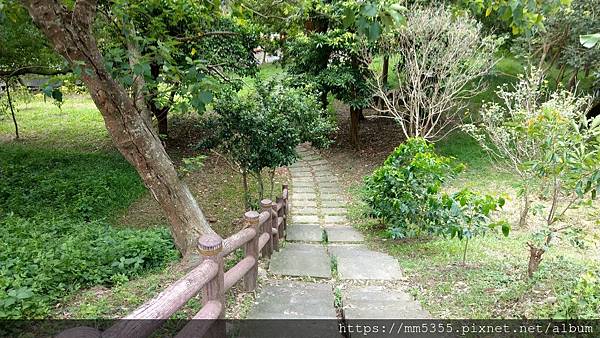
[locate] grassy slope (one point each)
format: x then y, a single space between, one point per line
493 284
68 155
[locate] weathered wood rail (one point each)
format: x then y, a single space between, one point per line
260 237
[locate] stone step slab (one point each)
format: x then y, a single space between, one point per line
303 204
335 219
332 204
379 302
294 300
360 263
343 234
304 233
334 211
312 219
298 259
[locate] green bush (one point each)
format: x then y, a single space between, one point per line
54 233
404 192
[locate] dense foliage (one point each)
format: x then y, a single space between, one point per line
404 191
175 53
260 130
55 233
406 194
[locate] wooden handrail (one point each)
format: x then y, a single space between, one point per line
260 236
164 304
238 271
264 239
202 321
237 240
264 217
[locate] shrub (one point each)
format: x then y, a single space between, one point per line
546 138
406 194
441 59
467 215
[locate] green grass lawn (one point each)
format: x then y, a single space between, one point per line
494 282
76 125
80 234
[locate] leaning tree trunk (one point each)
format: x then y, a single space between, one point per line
70 33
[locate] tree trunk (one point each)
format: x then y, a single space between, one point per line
385 70
162 122
464 258
524 211
272 183
573 80
70 33
561 73
247 205
324 100
354 118
12 109
535 258
261 186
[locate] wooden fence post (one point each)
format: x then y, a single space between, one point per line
275 221
284 195
265 205
251 250
210 247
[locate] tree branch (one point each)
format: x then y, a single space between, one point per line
38 70
84 12
204 35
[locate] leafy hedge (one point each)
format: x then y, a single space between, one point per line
54 231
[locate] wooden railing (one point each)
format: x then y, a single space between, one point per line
260 237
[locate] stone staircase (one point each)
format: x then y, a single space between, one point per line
324 270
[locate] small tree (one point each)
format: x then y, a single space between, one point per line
440 64
469 215
261 130
500 131
547 140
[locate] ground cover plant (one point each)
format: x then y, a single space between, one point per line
56 235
